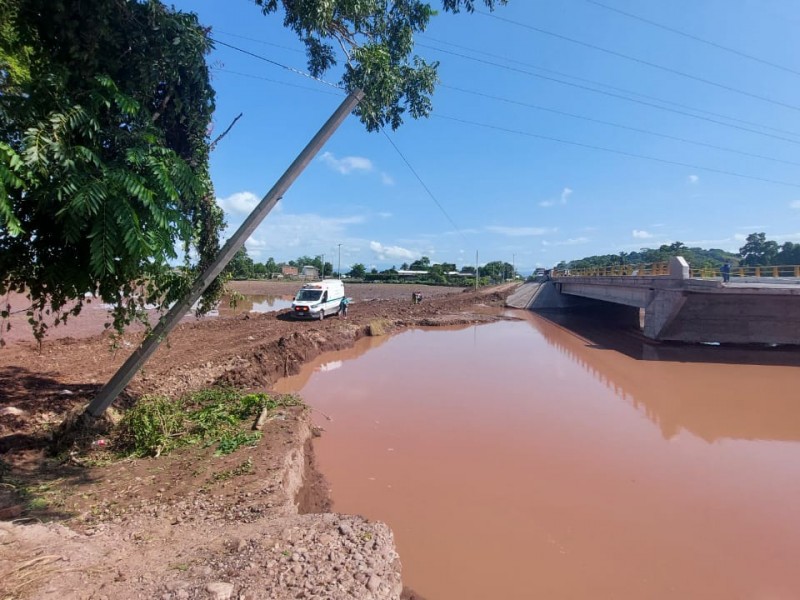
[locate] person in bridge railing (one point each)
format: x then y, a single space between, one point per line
726 272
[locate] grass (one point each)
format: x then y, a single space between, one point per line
213 417
245 468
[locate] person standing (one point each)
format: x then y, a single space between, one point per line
343 306
726 272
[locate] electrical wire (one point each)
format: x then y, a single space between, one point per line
639 60
402 156
606 85
257 41
276 63
695 37
620 125
427 189
286 83
613 95
615 151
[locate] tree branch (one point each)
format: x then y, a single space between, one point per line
224 133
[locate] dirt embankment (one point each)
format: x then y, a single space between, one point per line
194 525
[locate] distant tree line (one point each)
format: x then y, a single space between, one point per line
757 251
242 266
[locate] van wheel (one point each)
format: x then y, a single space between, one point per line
321 315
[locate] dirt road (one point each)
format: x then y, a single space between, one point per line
192 525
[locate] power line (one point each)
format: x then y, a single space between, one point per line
294 85
640 61
613 95
695 37
615 151
427 189
620 125
276 63
257 41
605 85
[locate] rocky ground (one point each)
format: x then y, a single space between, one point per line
252 524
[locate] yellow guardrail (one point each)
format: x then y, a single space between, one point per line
641 270
662 268
742 271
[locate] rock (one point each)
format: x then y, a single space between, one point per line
12 410
11 512
220 590
374 583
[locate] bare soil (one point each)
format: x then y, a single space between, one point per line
252 524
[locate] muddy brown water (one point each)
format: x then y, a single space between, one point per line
522 460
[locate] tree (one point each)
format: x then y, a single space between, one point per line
758 250
377 40
420 265
241 265
357 271
788 255
104 113
497 270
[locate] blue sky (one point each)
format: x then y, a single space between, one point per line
484 154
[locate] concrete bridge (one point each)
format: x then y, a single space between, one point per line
669 302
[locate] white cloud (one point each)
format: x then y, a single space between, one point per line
519 231
386 179
385 215
391 252
241 203
641 234
795 204
693 178
565 194
309 232
346 164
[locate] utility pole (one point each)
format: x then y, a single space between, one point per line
339 268
476 271
323 265
122 377
513 267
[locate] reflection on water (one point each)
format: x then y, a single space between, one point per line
520 460
711 403
254 303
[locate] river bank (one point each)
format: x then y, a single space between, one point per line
191 524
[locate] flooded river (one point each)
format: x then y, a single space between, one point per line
521 460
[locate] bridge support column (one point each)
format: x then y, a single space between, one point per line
661 311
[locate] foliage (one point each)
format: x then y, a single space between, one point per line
758 250
377 39
153 426
421 264
696 257
104 112
357 271
241 265
497 270
156 425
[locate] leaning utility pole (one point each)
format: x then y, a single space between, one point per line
122 377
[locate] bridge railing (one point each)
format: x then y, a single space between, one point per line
743 271
640 270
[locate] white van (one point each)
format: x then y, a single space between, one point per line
315 300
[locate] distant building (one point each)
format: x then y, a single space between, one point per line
288 271
406 273
309 272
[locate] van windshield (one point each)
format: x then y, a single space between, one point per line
308 295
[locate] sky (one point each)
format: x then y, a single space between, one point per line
561 129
